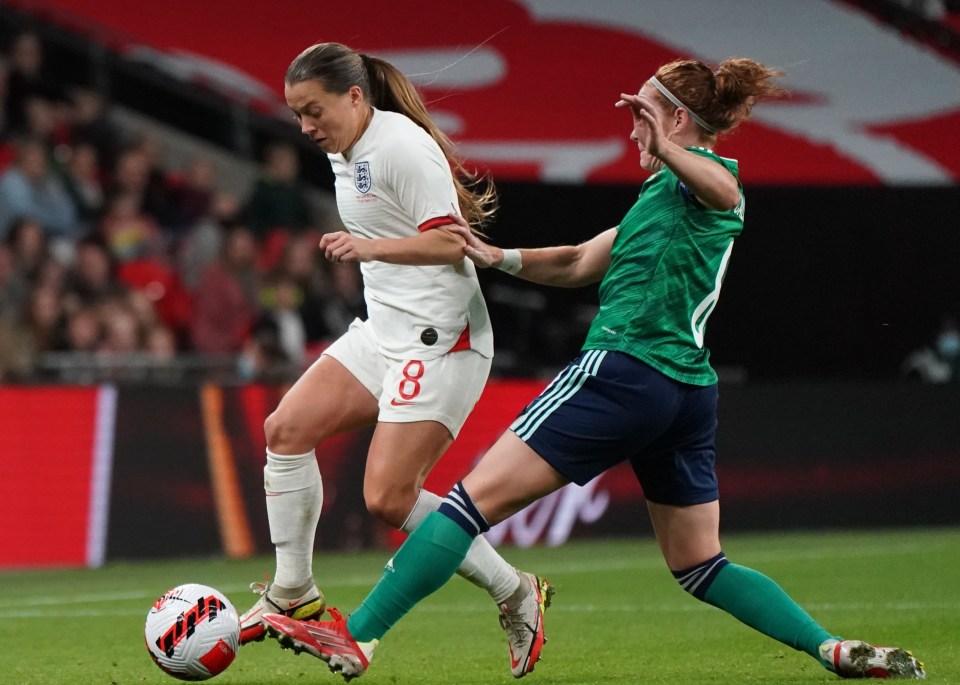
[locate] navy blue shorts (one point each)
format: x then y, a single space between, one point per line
607 407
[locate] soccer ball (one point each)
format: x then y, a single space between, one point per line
193 632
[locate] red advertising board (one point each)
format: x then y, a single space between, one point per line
89 475
54 475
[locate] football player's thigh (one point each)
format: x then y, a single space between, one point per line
402 454
687 535
400 457
337 393
509 477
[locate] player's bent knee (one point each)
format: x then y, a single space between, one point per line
389 506
278 434
272 427
284 436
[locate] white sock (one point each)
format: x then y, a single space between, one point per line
294 499
483 566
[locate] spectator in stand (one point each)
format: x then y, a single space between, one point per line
302 266
225 303
29 247
13 285
51 273
131 174
263 357
129 232
205 239
345 302
161 348
136 174
277 199
33 260
91 278
281 299
939 362
160 343
27 79
150 147
44 318
122 331
45 122
143 305
91 126
17 354
189 198
84 330
30 189
157 292
82 179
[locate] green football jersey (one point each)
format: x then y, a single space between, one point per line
667 263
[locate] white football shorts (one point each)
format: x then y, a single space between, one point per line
444 389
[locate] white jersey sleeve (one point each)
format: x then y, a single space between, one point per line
422 182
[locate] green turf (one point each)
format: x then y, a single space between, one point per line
618 616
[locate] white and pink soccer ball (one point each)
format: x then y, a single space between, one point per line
193 632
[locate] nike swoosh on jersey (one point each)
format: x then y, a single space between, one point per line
399 403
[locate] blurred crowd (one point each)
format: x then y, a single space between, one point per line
106 254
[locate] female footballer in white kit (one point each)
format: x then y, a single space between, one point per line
418 364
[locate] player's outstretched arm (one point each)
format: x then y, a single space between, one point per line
566 266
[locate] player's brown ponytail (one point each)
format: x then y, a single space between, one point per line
725 97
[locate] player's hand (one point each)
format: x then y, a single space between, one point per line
341 246
479 252
647 122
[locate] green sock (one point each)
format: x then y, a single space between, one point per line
427 560
757 601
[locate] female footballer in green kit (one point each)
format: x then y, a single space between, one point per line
642 390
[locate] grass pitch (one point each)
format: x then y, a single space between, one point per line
618 616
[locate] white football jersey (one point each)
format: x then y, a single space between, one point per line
396 184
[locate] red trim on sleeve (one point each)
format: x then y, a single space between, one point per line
463 342
433 223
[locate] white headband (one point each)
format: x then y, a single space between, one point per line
675 100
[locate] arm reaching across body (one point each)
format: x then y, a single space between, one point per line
566 266
441 245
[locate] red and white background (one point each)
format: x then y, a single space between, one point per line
527 86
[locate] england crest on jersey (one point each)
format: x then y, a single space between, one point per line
361 177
